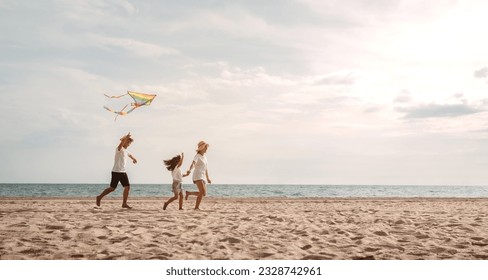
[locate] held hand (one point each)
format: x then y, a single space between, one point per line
134 161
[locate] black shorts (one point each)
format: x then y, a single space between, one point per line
119 177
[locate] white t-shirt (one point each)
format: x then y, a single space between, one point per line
200 167
120 160
177 176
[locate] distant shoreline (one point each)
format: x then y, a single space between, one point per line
246 191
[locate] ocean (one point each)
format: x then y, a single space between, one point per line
247 191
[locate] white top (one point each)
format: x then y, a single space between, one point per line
200 167
120 160
176 173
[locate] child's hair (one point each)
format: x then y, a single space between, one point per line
172 163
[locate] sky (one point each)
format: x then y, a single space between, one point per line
285 92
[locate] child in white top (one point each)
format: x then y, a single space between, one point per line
174 165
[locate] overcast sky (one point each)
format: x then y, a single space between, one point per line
285 92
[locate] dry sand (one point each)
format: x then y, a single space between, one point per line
396 228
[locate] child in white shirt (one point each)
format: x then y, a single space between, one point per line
174 165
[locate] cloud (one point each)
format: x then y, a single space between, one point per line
97 11
131 45
340 78
459 106
481 73
360 13
438 111
404 97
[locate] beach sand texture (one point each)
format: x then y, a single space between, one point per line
296 229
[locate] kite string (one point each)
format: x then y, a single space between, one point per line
120 112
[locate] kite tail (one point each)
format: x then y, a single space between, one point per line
115 96
119 113
108 109
116 112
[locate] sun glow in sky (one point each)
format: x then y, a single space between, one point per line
298 92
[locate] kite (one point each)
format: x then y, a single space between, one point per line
140 99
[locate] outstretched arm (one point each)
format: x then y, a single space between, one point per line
134 160
189 169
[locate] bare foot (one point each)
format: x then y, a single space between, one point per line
98 201
180 209
126 206
165 205
197 209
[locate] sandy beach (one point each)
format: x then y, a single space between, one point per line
295 229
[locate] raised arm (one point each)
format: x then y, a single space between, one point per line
123 140
181 161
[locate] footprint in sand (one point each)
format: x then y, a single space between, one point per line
369 249
313 257
364 258
113 229
381 233
272 217
422 236
300 232
99 232
263 255
140 231
19 225
438 250
65 237
55 227
118 239
231 240
477 238
196 242
399 222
